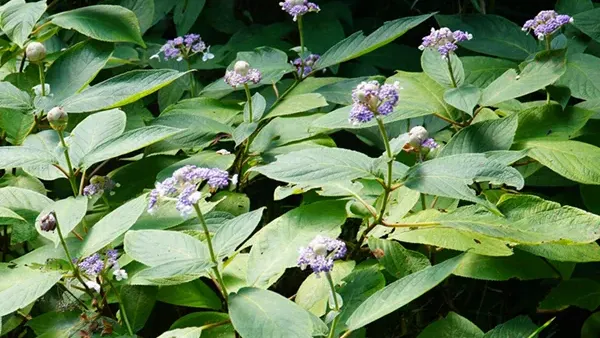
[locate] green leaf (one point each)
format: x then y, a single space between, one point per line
173 273
464 98
211 108
257 313
198 319
520 326
54 324
46 141
397 260
259 104
437 68
481 137
231 202
587 22
275 247
21 286
120 90
243 131
16 125
127 142
26 203
492 35
188 332
318 166
551 122
196 131
69 212
185 15
94 130
582 76
574 160
156 247
102 22
591 326
544 70
451 176
113 225
297 104
340 91
522 266
17 19
233 232
357 44
76 68
580 292
194 294
453 326
144 11
314 292
14 98
565 252
138 302
400 293
420 94
15 157
480 71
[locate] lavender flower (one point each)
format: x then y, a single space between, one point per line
305 68
320 254
93 285
444 40
546 23
184 48
372 99
99 185
242 74
298 8
120 274
183 184
48 222
429 143
92 265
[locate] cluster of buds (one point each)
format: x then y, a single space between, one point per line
242 74
444 40
94 265
320 254
184 48
35 51
305 67
371 99
48 222
546 23
99 185
419 140
183 185
297 8
58 118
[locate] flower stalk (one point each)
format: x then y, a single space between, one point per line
335 304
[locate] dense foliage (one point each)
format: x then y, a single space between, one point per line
192 168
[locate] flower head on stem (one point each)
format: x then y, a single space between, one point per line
184 47
297 8
546 23
320 254
242 74
444 40
371 99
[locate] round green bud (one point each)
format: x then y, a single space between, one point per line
58 118
35 51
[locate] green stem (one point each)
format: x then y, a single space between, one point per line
249 99
451 72
41 68
212 252
547 40
300 31
335 304
121 307
423 203
68 159
73 267
192 80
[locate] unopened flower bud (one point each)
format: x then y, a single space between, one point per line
58 118
417 135
241 67
35 51
48 222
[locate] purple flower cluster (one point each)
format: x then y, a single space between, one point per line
184 47
298 8
371 99
320 254
444 40
183 185
242 74
99 185
305 68
92 265
546 23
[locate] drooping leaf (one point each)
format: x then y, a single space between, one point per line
127 142
400 293
113 225
492 35
21 286
580 292
156 247
102 22
120 90
357 44
453 326
257 313
587 23
551 122
464 98
17 19
232 233
520 326
481 137
438 69
544 70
